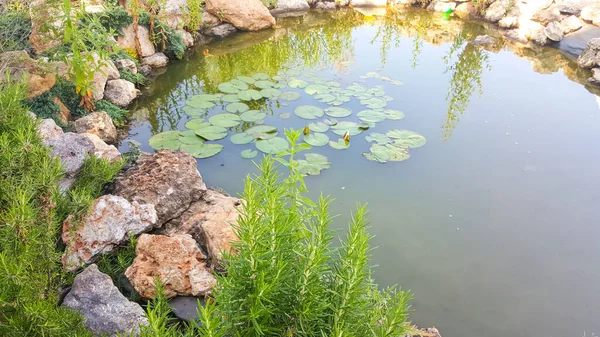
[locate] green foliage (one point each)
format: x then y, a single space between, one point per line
137 79
286 279
67 93
15 28
30 270
113 19
43 106
166 39
194 15
118 115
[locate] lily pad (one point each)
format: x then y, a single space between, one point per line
166 140
406 138
206 97
316 89
200 104
342 127
338 112
318 127
325 98
264 84
246 79
249 154
225 120
190 137
308 112
270 93
202 150
272 146
289 95
371 116
297 83
285 115
260 76
229 88
193 112
378 153
393 114
253 115
230 98
397 153
237 107
239 84
316 139
212 132
313 164
241 138
330 121
249 95
261 129
194 124
378 138
341 144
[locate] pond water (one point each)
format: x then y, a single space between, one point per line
494 222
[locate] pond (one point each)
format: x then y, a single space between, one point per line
493 223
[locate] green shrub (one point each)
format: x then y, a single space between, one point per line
113 19
43 106
194 15
15 28
137 79
173 43
65 91
286 279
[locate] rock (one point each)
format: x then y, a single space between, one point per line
591 14
248 15
540 38
466 10
511 20
573 44
209 20
554 31
173 13
571 24
47 129
120 92
176 260
126 64
106 72
42 38
285 6
127 41
483 40
327 6
210 222
186 38
368 3
595 79
105 309
546 16
103 150
587 59
168 180
496 10
185 307
18 66
530 28
429 332
441 6
516 35
221 31
63 114
156 60
371 11
145 70
109 223
98 123
71 148
573 7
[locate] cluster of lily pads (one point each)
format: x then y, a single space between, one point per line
238 94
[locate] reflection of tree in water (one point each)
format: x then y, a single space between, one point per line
466 79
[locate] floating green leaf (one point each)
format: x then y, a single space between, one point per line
237 107
270 93
397 153
378 153
371 116
342 127
246 79
309 112
313 164
341 144
202 150
318 127
325 98
206 97
212 132
406 138
225 120
241 138
166 140
239 84
273 145
316 139
229 88
330 121
260 76
249 154
378 138
190 137
316 89
231 98
393 114
297 83
193 112
338 112
194 124
249 95
263 84
289 95
253 115
200 104
261 129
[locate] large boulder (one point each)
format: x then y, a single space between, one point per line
368 3
120 92
247 15
591 14
47 129
286 6
571 24
72 149
103 150
186 38
545 16
173 13
591 54
46 22
220 31
105 310
554 31
156 60
176 260
126 64
595 79
109 223
210 222
106 71
497 10
98 123
18 66
127 41
168 180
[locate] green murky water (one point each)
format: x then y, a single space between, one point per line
494 222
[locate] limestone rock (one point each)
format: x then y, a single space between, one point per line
47 129
103 150
186 38
554 31
540 38
497 10
591 14
516 35
210 222
105 309
327 6
466 10
41 14
511 20
571 24
106 72
63 114
483 40
441 6
587 59
120 92
126 64
209 20
173 12
176 260
168 180
71 148
248 15
221 30
98 123
546 16
595 79
428 332
156 60
17 65
284 6
145 70
127 41
573 7
368 3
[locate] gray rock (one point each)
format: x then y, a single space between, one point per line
71 148
516 35
573 7
368 3
221 31
106 72
465 10
105 309
591 14
127 41
47 129
573 44
588 57
540 38
185 307
98 123
554 31
120 92
109 223
546 16
284 6
103 150
497 10
156 60
168 180
595 79
441 6
483 40
126 64
326 6
186 38
145 70
571 24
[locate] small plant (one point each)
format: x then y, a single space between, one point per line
194 15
